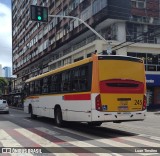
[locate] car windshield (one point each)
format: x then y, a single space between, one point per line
3 102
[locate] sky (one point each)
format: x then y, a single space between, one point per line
5 33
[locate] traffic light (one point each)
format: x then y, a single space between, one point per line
39 13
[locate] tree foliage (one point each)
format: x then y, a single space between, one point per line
3 83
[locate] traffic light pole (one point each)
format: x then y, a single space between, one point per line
96 33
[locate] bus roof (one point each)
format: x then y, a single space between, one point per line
84 61
68 66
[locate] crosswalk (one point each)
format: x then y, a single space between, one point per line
66 142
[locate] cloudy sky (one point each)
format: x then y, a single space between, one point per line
5 33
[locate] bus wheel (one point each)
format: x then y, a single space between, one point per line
93 124
58 117
33 116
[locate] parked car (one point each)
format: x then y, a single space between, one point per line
4 106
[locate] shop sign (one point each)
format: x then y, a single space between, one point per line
153 80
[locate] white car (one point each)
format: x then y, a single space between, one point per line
4 106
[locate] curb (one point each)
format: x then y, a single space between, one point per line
19 108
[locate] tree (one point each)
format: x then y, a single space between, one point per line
3 83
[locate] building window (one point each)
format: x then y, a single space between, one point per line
78 59
142 56
86 14
98 5
139 3
67 61
152 61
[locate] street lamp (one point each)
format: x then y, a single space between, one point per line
72 17
95 32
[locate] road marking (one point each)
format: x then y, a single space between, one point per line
75 142
42 141
7 140
27 120
110 141
140 141
66 138
45 130
11 115
150 137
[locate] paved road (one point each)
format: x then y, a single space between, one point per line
18 130
150 126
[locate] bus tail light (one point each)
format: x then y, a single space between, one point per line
98 103
144 102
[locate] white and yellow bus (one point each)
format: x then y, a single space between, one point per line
102 88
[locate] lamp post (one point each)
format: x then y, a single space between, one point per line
95 32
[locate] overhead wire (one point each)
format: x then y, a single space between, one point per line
145 33
137 41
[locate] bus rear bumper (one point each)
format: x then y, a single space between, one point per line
118 116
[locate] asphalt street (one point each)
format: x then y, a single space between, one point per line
150 126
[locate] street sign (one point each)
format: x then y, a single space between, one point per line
39 13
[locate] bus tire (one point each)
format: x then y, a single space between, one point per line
93 124
33 116
58 117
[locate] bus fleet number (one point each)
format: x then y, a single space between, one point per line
138 102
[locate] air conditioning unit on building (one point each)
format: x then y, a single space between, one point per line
151 19
139 20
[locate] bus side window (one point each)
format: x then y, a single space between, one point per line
45 85
32 87
58 82
75 80
26 90
37 87
55 83
83 78
66 81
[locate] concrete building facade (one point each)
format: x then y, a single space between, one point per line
40 47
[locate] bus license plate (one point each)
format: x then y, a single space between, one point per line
123 108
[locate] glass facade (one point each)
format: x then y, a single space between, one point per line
152 63
151 60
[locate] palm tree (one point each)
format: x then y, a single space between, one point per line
3 83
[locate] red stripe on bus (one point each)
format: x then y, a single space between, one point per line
121 86
78 97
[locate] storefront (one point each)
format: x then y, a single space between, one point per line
153 91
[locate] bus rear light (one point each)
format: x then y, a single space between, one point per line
144 102
98 103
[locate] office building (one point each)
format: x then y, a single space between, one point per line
1 74
40 47
7 71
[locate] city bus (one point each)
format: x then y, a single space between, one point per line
101 88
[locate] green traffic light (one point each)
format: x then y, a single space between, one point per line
39 18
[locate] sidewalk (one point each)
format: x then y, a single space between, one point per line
13 107
154 110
